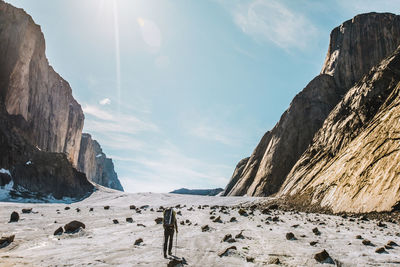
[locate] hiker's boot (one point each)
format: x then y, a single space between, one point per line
170 253
165 255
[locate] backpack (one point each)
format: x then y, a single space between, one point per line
168 218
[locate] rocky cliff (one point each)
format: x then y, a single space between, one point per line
352 164
40 134
355 47
31 88
35 173
96 165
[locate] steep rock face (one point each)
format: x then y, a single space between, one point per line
35 173
359 44
352 164
96 165
355 47
31 88
237 173
280 148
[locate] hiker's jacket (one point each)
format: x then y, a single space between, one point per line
173 218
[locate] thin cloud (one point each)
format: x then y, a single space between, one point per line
105 101
272 21
104 121
97 112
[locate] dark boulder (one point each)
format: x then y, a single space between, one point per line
14 217
27 210
7 240
138 242
73 227
59 231
323 257
158 220
129 220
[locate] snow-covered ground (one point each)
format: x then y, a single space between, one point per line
104 243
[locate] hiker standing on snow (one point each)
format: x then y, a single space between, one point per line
169 223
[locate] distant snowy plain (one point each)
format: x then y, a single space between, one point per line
103 243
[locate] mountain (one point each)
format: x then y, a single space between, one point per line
355 47
200 192
96 165
40 135
352 164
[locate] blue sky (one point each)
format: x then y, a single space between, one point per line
177 92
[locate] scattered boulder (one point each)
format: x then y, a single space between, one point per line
316 231
106 207
91 209
138 242
323 257
175 262
226 251
217 220
249 259
73 227
141 224
14 217
115 221
132 207
380 250
212 217
78 209
275 219
273 207
366 242
158 220
358 237
313 243
144 207
242 212
205 228
226 237
295 225
290 236
233 219
6 240
239 235
59 231
27 210
67 208
182 223
129 220
364 218
381 224
275 261
179 213
392 244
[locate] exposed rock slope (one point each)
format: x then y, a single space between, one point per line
31 88
36 173
355 47
353 162
96 165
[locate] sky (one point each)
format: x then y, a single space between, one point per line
177 92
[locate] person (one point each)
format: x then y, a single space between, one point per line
169 223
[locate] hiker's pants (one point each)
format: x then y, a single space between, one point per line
168 234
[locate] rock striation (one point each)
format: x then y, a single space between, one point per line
96 165
355 47
352 164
